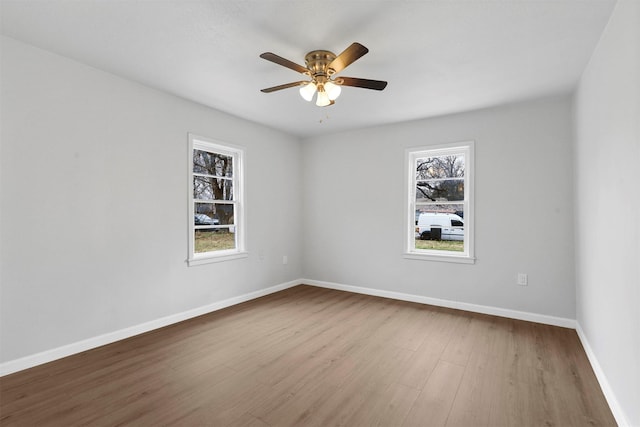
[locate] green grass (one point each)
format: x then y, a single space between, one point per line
440 245
207 241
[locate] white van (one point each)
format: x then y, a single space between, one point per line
449 226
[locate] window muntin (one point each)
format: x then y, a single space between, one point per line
439 202
216 206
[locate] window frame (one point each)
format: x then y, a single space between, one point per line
237 154
411 155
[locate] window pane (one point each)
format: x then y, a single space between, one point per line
214 240
207 188
216 201
214 214
445 190
440 167
212 163
457 209
440 228
440 187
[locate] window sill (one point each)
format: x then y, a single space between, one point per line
208 259
460 259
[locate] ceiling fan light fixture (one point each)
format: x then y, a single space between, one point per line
307 91
333 90
323 99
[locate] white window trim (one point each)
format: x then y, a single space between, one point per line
202 143
411 154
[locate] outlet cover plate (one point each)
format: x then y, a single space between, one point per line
523 280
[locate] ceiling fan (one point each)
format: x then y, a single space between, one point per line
322 66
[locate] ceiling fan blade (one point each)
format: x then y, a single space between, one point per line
284 62
350 55
284 86
364 83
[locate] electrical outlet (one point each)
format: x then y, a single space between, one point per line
523 280
285 259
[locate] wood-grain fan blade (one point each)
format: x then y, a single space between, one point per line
364 83
284 62
349 56
284 86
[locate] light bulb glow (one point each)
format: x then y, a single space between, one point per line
323 99
307 91
333 90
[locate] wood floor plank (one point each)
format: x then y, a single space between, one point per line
358 393
480 383
433 404
384 407
312 356
461 341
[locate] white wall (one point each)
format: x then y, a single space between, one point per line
94 204
607 120
354 206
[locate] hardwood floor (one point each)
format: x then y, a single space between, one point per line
309 356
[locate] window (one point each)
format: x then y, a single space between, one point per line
439 216
216 204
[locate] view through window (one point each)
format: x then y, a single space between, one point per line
215 199
440 201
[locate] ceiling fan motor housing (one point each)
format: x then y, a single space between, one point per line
318 64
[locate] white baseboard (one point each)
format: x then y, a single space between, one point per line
614 405
476 308
67 350
108 338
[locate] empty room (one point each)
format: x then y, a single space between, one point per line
295 213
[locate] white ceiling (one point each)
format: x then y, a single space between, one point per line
439 56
